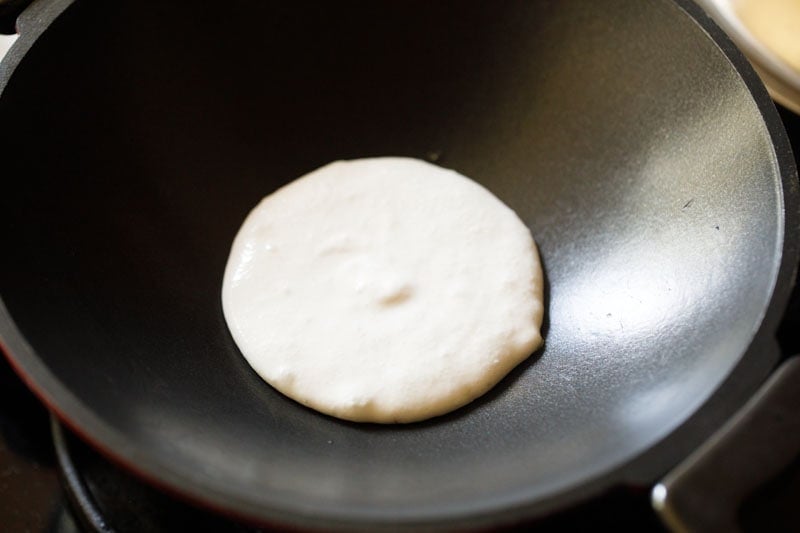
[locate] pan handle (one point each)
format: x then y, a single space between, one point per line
706 491
9 11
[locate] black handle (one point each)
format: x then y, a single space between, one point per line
704 492
9 11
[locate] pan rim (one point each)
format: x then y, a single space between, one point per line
643 467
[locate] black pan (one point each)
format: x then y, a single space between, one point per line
631 137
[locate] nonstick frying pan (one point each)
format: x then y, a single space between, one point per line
631 137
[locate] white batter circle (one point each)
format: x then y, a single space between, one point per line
383 290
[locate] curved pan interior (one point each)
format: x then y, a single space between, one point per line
137 136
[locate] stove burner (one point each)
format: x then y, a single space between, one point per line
77 491
106 499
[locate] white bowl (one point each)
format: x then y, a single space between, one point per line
778 74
